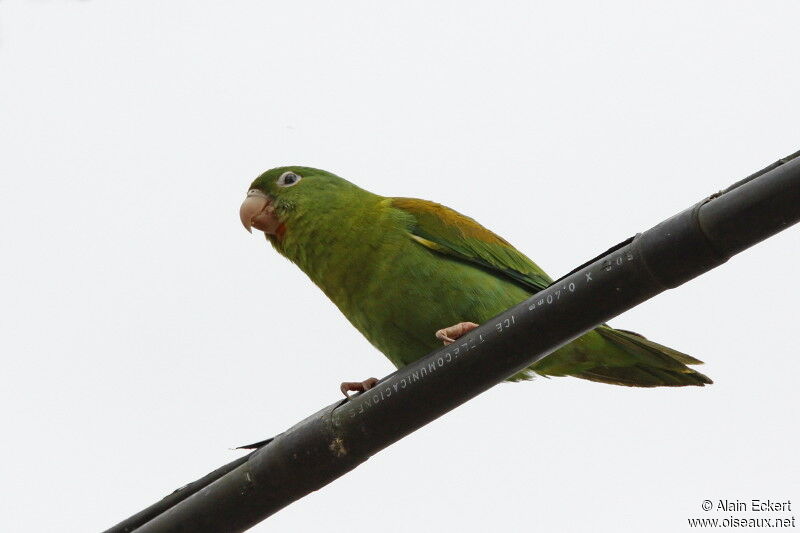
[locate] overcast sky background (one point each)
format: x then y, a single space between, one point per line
144 333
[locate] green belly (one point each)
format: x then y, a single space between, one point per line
419 291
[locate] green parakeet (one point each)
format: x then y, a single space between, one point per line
409 274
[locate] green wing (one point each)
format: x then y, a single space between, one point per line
448 232
605 355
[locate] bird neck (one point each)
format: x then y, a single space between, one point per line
328 240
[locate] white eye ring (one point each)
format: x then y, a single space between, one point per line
288 178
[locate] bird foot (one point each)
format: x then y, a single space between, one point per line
449 335
357 386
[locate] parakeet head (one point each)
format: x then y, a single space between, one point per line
283 194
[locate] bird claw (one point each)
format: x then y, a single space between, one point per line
449 335
357 386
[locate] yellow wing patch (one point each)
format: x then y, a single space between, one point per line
449 232
464 225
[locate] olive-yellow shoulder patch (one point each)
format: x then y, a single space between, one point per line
447 231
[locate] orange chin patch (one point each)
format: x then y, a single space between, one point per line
280 231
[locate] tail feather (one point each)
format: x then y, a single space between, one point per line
619 357
651 364
643 376
622 335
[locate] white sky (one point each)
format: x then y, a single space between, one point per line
144 333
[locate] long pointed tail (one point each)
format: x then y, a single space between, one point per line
645 363
619 357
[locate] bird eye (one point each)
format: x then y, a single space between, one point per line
288 179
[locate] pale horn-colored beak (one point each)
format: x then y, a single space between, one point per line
257 212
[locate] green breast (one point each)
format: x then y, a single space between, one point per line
395 291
